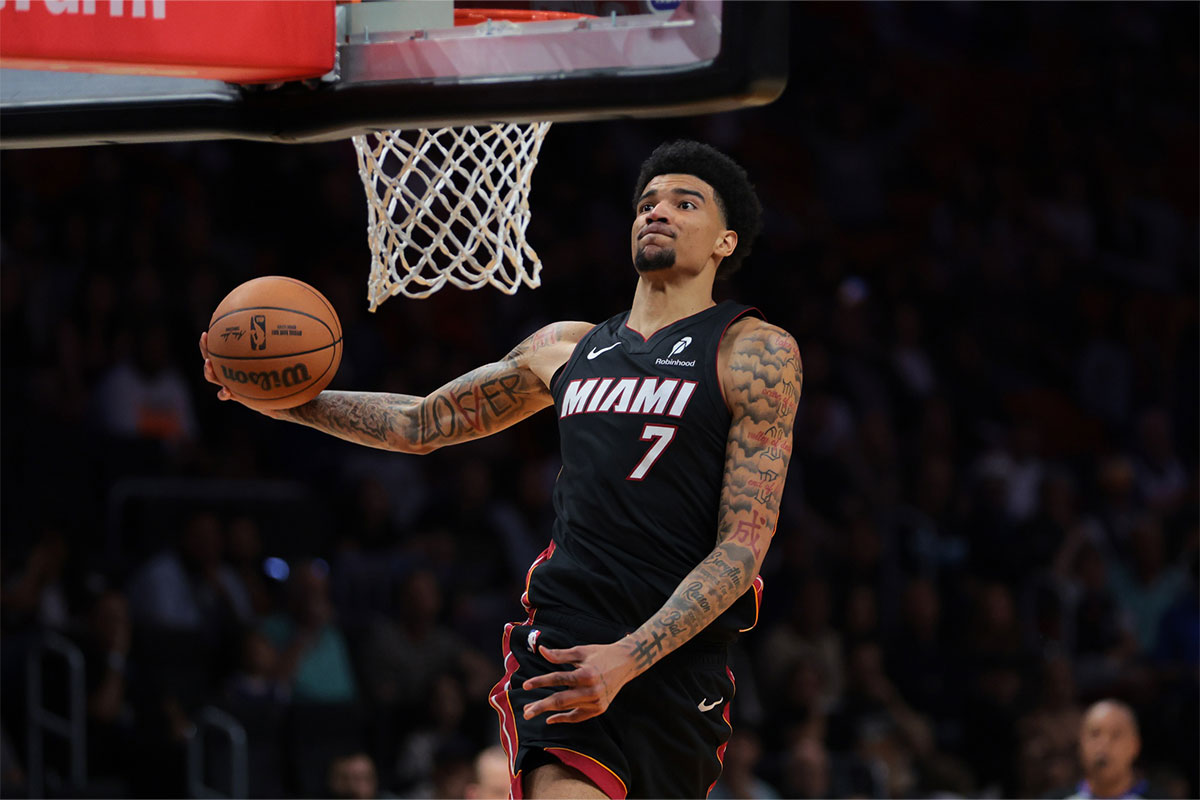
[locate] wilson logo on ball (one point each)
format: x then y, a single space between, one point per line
268 379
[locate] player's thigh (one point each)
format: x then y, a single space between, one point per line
675 728
554 780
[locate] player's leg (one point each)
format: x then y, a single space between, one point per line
553 780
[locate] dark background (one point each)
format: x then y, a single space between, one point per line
981 227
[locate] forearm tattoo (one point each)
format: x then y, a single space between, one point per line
482 402
765 377
366 418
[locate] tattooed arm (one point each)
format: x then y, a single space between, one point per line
480 403
761 375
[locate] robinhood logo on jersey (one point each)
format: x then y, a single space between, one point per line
679 347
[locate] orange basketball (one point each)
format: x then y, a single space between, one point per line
275 342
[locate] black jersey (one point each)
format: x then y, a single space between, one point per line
643 427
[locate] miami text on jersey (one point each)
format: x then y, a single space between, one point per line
666 396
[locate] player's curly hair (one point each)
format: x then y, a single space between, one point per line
736 198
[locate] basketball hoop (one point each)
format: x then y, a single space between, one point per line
451 205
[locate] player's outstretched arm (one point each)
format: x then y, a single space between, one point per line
762 379
483 401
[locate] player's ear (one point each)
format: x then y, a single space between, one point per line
726 244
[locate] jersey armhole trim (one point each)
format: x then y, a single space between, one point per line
574 354
716 366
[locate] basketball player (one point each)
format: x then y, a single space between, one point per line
675 420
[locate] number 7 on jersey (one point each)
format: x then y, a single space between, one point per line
662 436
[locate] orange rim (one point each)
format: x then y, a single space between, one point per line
474 16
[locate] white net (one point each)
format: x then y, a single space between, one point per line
449 205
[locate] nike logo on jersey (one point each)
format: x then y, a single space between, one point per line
668 396
596 352
706 707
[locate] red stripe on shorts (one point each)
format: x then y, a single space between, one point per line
537 562
608 781
499 700
724 716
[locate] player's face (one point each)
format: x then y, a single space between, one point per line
1108 742
678 225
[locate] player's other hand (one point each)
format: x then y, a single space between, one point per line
599 671
210 374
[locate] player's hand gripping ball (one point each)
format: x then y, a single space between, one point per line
275 342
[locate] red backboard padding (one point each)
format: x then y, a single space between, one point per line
246 41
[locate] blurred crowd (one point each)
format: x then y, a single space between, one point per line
981 227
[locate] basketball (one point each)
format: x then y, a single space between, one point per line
275 342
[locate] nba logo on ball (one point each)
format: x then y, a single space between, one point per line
258 332
662 6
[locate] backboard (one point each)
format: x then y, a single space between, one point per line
390 64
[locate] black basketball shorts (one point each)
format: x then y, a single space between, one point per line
664 734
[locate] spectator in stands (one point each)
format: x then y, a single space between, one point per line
245 551
453 770
1057 514
923 667
1179 633
255 687
738 777
188 587
806 770
435 745
257 697
491 780
1148 586
353 777
995 661
111 720
1117 510
874 722
313 657
1049 733
1104 642
990 524
146 396
37 595
404 656
806 633
1162 479
860 616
